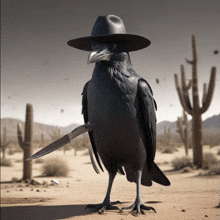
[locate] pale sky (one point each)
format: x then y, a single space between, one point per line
39 67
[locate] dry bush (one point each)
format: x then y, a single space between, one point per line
11 151
55 167
14 149
15 180
181 162
214 169
168 149
39 160
5 162
209 159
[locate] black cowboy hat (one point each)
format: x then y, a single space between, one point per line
110 28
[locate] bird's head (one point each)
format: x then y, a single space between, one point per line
108 53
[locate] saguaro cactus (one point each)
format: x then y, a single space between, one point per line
42 138
194 109
167 136
27 144
4 142
182 129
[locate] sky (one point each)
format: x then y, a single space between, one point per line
39 67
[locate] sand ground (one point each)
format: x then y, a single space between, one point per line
190 196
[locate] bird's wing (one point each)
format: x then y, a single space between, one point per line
86 119
148 118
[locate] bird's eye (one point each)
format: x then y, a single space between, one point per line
113 46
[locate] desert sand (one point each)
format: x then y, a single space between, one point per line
190 196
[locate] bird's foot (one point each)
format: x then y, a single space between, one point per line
138 208
102 207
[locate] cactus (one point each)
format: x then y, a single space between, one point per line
27 144
42 141
182 129
167 135
194 109
42 138
4 142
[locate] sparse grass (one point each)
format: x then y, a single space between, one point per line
209 159
55 167
5 162
181 162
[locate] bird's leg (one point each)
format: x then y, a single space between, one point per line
106 204
138 207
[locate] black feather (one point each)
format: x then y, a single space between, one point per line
86 119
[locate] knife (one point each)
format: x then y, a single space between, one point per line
65 140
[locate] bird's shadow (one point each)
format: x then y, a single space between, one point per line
47 212
43 212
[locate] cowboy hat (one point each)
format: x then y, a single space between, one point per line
109 29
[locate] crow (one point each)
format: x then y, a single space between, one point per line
119 106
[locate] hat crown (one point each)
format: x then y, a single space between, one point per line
110 29
109 24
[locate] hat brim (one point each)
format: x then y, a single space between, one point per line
133 42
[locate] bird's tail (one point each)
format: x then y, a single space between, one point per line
155 174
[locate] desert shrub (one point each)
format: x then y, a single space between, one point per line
181 162
5 162
168 150
14 150
39 160
209 159
15 180
214 169
55 167
11 151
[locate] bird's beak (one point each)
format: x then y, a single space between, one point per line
97 56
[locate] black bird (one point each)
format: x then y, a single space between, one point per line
119 105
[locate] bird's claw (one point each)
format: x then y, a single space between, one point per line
101 208
137 208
